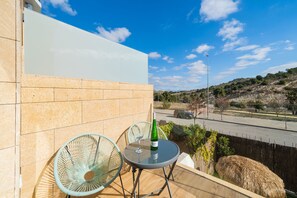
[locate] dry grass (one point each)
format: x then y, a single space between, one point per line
180 106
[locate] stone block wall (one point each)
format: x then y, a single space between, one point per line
10 63
55 109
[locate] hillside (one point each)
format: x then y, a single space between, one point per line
260 88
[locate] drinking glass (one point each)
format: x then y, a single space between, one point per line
138 136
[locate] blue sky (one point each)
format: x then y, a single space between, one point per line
243 38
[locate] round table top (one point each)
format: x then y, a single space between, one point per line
166 154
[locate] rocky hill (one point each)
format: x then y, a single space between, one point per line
263 88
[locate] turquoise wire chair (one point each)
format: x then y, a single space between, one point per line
145 129
87 164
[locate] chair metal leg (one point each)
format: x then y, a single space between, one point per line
122 185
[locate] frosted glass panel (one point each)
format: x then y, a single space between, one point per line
54 48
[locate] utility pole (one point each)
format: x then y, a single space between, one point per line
207 71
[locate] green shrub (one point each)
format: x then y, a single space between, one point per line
281 82
195 138
207 149
240 105
167 128
166 104
264 82
223 148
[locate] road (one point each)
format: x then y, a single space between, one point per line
278 136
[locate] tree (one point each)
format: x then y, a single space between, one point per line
259 77
276 105
222 103
157 96
196 105
292 99
166 96
219 92
240 105
258 105
253 81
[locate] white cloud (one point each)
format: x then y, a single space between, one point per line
244 63
63 5
153 67
217 9
157 69
117 35
197 68
154 55
258 54
247 48
173 79
193 79
230 45
203 48
168 59
190 78
278 68
230 30
180 67
229 33
289 48
289 45
190 13
191 56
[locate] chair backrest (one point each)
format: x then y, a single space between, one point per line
86 164
145 129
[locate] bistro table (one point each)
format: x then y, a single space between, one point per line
166 154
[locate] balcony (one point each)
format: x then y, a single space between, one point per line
188 183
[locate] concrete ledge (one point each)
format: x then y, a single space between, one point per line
221 182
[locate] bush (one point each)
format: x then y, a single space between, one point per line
166 104
223 148
264 82
207 152
195 138
167 128
240 105
259 77
281 82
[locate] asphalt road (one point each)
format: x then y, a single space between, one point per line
278 136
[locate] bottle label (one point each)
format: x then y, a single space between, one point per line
154 143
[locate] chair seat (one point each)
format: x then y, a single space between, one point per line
87 164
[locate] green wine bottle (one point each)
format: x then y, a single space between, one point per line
154 135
